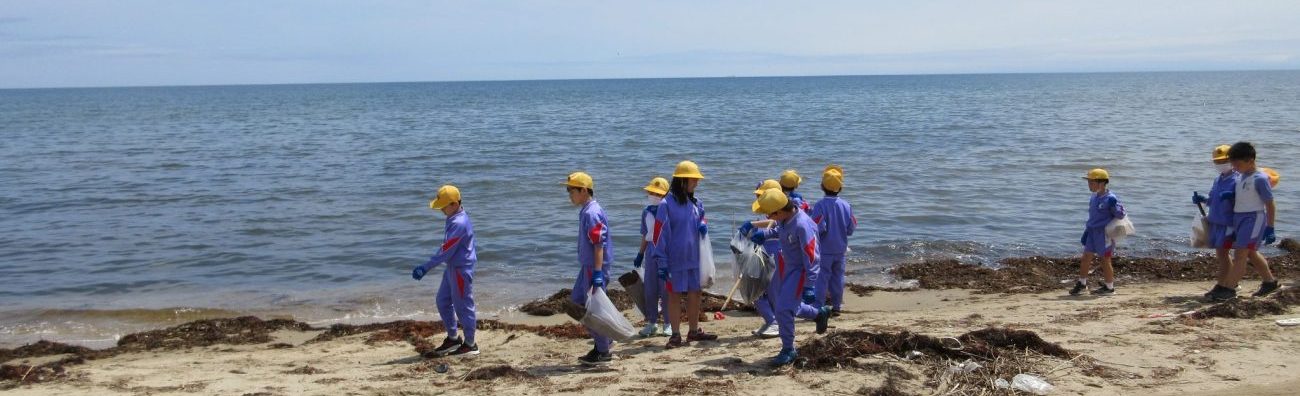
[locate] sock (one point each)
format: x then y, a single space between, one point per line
1083 280
1110 285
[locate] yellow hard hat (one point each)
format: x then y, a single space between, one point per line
1221 152
688 170
833 178
1273 177
771 201
580 180
1098 174
766 185
790 179
447 195
657 186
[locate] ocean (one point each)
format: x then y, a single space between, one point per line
123 209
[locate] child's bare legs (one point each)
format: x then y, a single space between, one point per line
692 309
1258 261
1239 259
1107 271
674 311
1085 265
1223 256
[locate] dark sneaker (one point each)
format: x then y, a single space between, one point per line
595 358
675 342
1079 287
466 349
1266 288
1103 290
449 345
786 356
1216 289
823 320
700 335
835 312
1224 294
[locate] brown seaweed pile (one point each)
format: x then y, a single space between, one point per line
840 349
1246 308
559 303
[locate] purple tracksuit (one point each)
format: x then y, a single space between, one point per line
456 293
765 305
798 265
593 230
835 222
1101 210
799 202
1220 212
677 243
653 286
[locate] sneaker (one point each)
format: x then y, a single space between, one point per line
1266 288
700 335
786 356
466 349
595 358
1103 291
763 329
1079 287
823 320
448 346
1216 289
835 312
666 331
675 341
648 331
1224 294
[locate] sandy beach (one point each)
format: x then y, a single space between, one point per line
1130 343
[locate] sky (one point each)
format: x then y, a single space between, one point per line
58 43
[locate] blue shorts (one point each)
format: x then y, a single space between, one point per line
1220 236
683 281
1249 229
1096 242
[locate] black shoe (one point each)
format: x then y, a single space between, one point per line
1103 291
595 358
449 345
835 312
823 319
1224 294
1079 287
466 349
1216 289
1266 288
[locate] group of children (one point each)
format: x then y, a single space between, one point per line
807 244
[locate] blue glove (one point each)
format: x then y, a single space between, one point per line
1198 199
640 258
1227 195
758 237
663 272
704 229
1269 236
598 279
808 295
1084 239
418 272
746 228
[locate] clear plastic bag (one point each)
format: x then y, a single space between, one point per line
604 318
751 267
1200 232
707 267
1119 229
1031 384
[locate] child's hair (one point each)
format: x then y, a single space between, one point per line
787 190
830 193
589 191
789 207
678 190
1241 151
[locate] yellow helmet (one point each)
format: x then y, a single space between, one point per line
772 200
766 185
790 179
447 195
688 170
1221 152
1273 177
833 178
658 186
580 180
1098 174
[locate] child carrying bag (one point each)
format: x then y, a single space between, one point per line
604 318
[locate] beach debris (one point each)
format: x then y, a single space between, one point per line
1246 308
560 303
502 371
1031 384
966 367
841 348
1288 322
867 290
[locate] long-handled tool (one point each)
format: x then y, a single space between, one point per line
718 315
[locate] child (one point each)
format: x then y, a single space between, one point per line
656 299
456 294
679 227
1103 207
799 263
835 221
765 306
595 255
1252 222
790 180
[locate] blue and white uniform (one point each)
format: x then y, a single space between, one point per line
798 265
835 224
456 293
1102 208
593 233
654 288
1250 215
1220 211
677 243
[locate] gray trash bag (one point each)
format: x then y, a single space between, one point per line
635 287
751 267
604 318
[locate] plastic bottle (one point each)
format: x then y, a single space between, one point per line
1031 384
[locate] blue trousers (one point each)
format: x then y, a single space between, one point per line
582 290
456 301
830 282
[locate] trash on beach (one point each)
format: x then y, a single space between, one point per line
605 319
750 267
1001 384
1200 232
632 282
1031 384
1288 322
966 367
913 355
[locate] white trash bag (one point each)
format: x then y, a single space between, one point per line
1200 232
707 269
751 268
1119 229
604 318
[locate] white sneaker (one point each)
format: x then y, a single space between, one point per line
648 331
768 330
666 331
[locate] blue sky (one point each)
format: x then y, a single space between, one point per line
53 43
